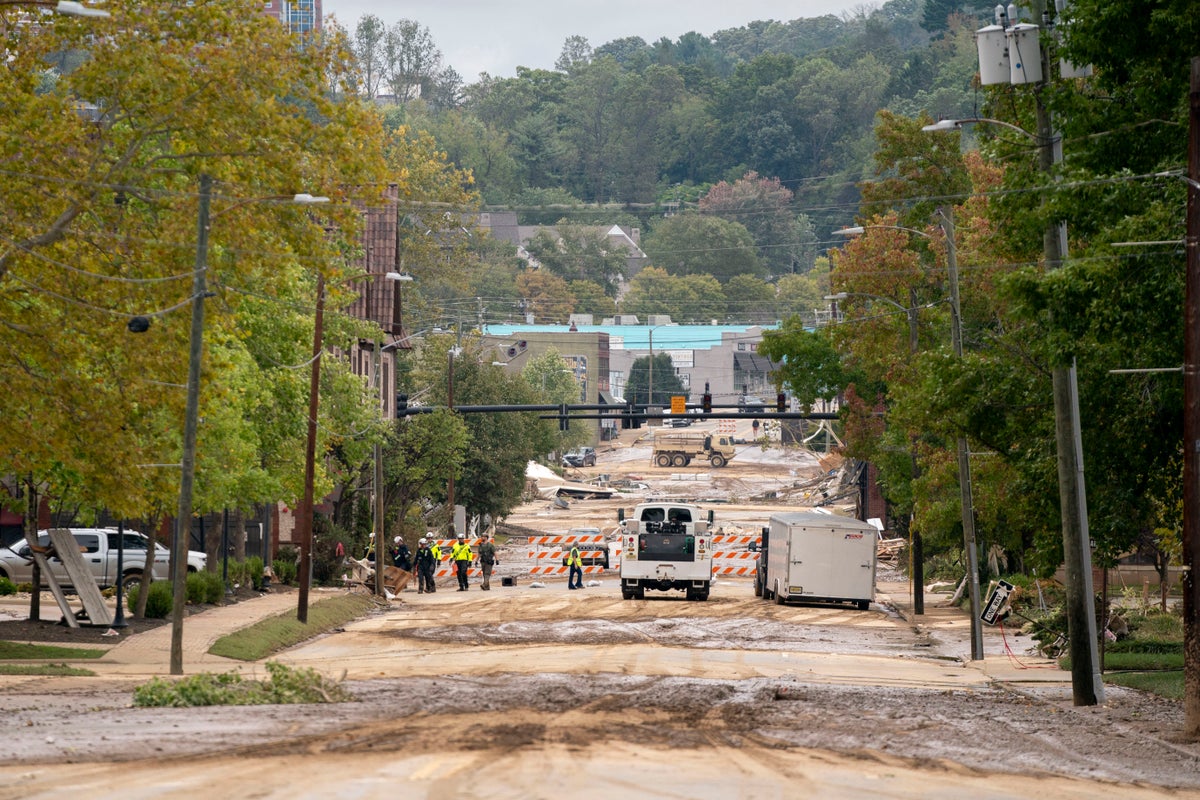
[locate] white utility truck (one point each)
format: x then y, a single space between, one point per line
809 556
666 546
677 448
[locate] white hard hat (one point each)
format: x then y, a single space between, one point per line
372 534
462 536
396 540
422 540
428 534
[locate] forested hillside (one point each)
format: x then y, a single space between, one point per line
639 133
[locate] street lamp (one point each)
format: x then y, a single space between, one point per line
192 412
963 453
67 7
1087 683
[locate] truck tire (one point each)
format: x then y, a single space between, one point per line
758 589
663 460
680 460
132 578
718 461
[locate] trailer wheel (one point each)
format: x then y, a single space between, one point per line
718 461
662 460
864 605
778 597
680 460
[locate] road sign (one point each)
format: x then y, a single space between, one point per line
678 404
996 602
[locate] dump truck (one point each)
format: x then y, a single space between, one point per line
813 557
677 448
666 546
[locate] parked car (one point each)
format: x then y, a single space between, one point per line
98 546
580 457
676 422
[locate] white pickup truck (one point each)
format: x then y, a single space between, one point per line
98 546
665 546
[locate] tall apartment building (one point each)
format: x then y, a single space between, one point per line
300 16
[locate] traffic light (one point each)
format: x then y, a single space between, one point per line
781 402
401 404
706 403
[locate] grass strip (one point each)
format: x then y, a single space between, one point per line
18 651
43 669
1166 683
273 634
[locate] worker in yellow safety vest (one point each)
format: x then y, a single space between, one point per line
460 551
575 574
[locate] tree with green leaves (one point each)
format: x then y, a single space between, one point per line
652 380
499 445
552 378
422 452
763 206
577 252
100 226
697 244
686 298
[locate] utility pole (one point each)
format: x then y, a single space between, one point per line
964 455
1191 424
304 519
450 405
183 521
378 478
916 551
1086 682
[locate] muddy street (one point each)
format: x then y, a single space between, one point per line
540 692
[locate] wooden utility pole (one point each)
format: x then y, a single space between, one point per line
1191 423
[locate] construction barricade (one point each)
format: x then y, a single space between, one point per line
548 554
445 567
732 556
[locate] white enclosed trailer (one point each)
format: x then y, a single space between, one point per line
815 557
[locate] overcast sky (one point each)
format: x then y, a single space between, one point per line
495 37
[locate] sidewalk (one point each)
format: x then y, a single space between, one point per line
149 653
1005 659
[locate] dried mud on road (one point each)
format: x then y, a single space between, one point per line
546 684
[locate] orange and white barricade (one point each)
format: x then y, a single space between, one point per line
547 553
445 567
732 556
